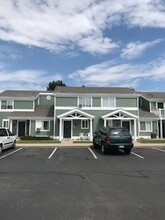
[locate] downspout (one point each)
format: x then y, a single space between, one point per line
54 127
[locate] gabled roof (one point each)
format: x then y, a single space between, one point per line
153 95
75 114
42 111
21 93
94 90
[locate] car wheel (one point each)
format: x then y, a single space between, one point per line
127 151
1 149
14 145
103 149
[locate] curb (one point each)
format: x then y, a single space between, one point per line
83 145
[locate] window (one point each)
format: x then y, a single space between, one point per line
84 124
108 102
85 101
145 126
42 125
5 123
160 105
3 132
6 104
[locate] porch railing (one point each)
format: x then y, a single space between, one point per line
160 112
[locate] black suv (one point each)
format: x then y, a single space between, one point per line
113 138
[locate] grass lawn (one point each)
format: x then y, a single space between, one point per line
37 141
142 140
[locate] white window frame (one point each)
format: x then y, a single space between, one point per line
145 129
109 101
8 103
84 102
40 125
86 123
5 121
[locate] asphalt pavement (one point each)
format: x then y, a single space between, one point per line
82 184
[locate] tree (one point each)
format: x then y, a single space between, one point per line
52 85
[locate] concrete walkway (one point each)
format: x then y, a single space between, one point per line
67 144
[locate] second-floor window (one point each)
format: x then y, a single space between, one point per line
6 104
85 101
108 102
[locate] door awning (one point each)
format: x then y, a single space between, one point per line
75 114
119 113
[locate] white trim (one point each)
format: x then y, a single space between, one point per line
97 108
64 115
119 111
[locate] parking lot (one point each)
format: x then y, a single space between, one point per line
82 184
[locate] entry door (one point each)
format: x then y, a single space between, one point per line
126 125
21 128
67 129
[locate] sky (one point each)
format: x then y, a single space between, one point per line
98 43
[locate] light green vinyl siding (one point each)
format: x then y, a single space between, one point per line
18 104
43 100
68 101
126 102
96 102
3 115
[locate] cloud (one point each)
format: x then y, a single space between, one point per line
97 45
135 49
63 25
26 79
119 74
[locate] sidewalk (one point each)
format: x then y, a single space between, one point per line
70 144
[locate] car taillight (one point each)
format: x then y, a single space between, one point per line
107 140
132 140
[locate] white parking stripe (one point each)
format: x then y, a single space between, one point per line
137 155
52 153
92 152
158 149
6 155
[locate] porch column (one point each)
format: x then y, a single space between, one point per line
105 122
60 130
10 125
91 129
161 131
135 130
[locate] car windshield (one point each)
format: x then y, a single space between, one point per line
3 132
117 131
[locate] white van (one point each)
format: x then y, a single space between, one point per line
7 139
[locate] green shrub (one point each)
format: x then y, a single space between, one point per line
35 138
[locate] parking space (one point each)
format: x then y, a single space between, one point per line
82 183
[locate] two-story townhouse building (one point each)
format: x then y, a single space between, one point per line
76 112
82 110
154 102
27 112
